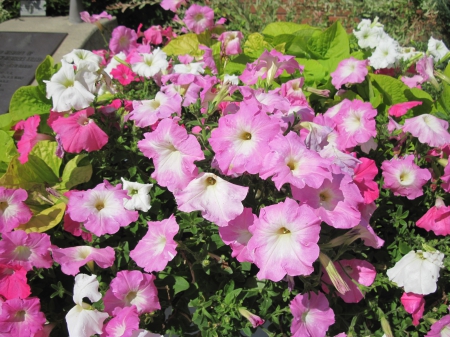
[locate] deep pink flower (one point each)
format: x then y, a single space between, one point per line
28 250
414 304
132 288
72 258
13 282
400 109
429 129
284 240
436 219
13 210
153 35
124 322
123 74
101 209
157 247
76 228
312 315
78 132
231 42
364 178
403 177
21 317
349 70
123 39
255 320
199 18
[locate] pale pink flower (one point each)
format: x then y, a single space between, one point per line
404 177
292 90
255 320
360 271
400 109
13 282
79 132
436 219
101 209
350 71
242 140
237 235
21 317
429 129
173 152
199 18
208 58
124 322
72 258
217 199
413 82
284 240
414 304
425 68
231 42
132 288
28 250
446 179
157 247
122 39
172 5
13 210
86 17
312 315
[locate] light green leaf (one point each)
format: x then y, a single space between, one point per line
299 45
237 65
444 98
313 72
391 89
6 122
183 44
45 71
279 28
427 107
180 284
8 148
75 172
331 43
45 220
255 45
46 150
28 101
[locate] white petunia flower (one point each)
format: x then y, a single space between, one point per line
139 193
83 59
113 63
151 64
417 272
195 68
231 79
386 54
369 37
437 48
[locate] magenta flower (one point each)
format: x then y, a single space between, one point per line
101 209
415 305
123 39
126 321
237 235
217 199
173 152
21 317
13 282
359 270
199 18
242 140
429 129
284 240
132 288
312 315
441 328
72 258
123 74
157 247
350 71
76 228
28 250
364 178
400 109
255 320
78 132
13 211
404 177
436 219
231 42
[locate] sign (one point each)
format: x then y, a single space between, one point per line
32 7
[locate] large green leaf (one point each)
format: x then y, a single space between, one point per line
331 43
427 107
76 171
313 72
45 220
279 28
28 101
299 45
8 151
444 98
46 150
183 44
237 65
392 89
45 71
6 122
255 45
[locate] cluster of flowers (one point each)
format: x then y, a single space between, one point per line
270 134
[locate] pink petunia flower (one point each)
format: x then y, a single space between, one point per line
86 17
349 70
157 247
122 39
425 68
440 328
72 258
21 317
429 129
400 109
78 132
436 219
255 320
199 18
124 322
172 5
101 209
403 177
153 35
231 42
76 228
132 288
13 282
413 82
312 315
13 211
364 176
173 152
284 240
217 199
123 74
28 250
415 305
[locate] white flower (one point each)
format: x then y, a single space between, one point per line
417 272
82 320
369 37
231 79
195 68
437 48
139 193
151 64
83 59
386 54
407 53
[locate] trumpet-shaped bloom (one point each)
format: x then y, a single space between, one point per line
429 129
28 250
417 272
172 5
13 211
404 177
414 304
123 39
83 59
173 152
255 320
284 240
386 54
436 219
364 178
126 321
441 328
437 48
148 112
79 132
400 109
231 42
139 194
132 288
199 18
13 281
242 140
150 64
217 199
157 247
72 258
86 17
349 71
312 315
101 209
82 320
21 317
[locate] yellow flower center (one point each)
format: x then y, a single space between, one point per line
3 205
210 181
283 230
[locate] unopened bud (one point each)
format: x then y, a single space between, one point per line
340 285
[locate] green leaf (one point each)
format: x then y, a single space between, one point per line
254 46
232 295
28 101
427 107
299 45
180 284
8 148
183 44
392 89
44 71
279 28
45 220
444 98
76 171
314 71
237 65
6 122
46 150
331 43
